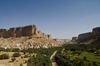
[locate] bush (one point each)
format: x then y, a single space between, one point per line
21 57
16 54
26 61
24 52
21 64
85 58
13 59
26 56
16 50
4 56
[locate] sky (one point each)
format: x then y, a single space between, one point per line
61 19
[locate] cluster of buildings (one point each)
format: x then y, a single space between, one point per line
28 45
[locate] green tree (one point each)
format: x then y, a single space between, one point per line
16 54
13 59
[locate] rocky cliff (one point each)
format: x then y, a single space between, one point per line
90 37
26 37
22 31
74 38
62 41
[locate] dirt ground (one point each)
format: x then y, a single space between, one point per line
17 62
52 58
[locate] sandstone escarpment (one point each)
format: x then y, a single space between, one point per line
18 31
96 31
3 33
90 37
74 38
29 30
25 37
22 31
62 41
85 36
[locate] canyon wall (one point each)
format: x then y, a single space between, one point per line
22 31
89 37
62 41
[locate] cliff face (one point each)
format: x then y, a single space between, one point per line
74 38
26 37
62 41
19 31
84 37
22 31
96 31
90 37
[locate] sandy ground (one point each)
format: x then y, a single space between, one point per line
17 62
52 58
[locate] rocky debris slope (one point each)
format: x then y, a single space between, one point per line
62 41
25 37
90 37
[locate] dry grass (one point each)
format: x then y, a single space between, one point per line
17 62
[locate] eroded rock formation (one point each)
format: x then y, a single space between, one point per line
62 41
26 37
22 31
90 37
74 38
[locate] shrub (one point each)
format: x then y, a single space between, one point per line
2 49
21 57
16 50
25 61
4 56
26 56
16 54
24 52
85 58
13 59
21 64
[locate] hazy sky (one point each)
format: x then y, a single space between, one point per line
62 19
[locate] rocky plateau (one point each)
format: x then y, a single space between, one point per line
89 37
25 37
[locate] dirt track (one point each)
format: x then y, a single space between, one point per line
52 58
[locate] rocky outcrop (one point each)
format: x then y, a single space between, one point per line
84 36
90 37
18 31
25 37
22 31
96 31
29 30
74 38
62 41
3 32
11 32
